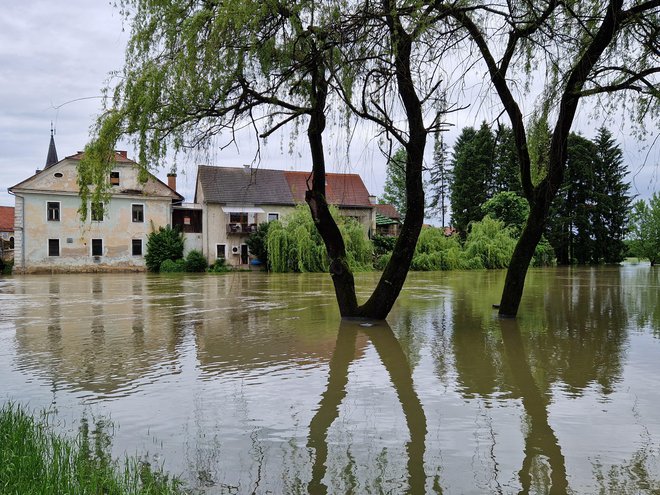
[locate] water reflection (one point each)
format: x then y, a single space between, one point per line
394 360
248 383
540 439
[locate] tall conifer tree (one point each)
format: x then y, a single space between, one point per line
612 199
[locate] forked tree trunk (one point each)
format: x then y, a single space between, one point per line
394 276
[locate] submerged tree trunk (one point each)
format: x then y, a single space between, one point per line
522 258
340 271
394 276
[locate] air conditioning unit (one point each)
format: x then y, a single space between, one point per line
235 250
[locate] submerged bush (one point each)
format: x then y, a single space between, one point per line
220 266
163 244
196 262
172 266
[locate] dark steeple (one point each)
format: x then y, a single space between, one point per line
51 159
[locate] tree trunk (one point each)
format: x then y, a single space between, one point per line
341 274
522 256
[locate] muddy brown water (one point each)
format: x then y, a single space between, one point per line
251 383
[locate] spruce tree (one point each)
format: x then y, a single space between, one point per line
611 198
571 219
395 183
439 180
472 166
507 169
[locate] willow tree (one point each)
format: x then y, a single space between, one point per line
196 70
607 50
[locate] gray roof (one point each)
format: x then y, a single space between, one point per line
244 185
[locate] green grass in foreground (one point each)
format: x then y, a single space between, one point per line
35 460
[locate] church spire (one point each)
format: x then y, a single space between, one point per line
51 159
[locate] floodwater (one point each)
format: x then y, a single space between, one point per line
250 383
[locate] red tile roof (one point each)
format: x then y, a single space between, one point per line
340 189
6 218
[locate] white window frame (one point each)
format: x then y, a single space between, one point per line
118 178
216 251
59 211
91 246
59 247
144 210
141 247
276 213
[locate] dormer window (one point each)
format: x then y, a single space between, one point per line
114 178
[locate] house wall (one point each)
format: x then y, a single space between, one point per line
215 230
116 230
366 217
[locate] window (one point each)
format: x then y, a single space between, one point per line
273 216
97 212
136 247
238 217
53 247
114 178
138 213
11 243
97 247
220 251
53 209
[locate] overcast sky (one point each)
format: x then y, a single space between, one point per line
56 56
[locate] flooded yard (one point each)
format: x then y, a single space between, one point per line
251 383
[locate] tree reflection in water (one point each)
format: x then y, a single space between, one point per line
540 439
394 360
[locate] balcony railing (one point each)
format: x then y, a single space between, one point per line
241 228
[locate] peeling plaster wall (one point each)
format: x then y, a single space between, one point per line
116 231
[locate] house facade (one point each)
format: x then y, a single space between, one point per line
50 236
234 201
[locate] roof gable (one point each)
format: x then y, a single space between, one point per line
62 177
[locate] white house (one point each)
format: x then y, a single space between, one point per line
50 236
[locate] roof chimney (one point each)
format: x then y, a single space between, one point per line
171 181
122 153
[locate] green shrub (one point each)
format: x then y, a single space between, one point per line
220 266
7 267
164 244
257 243
491 242
294 244
196 262
173 266
544 254
383 244
382 261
